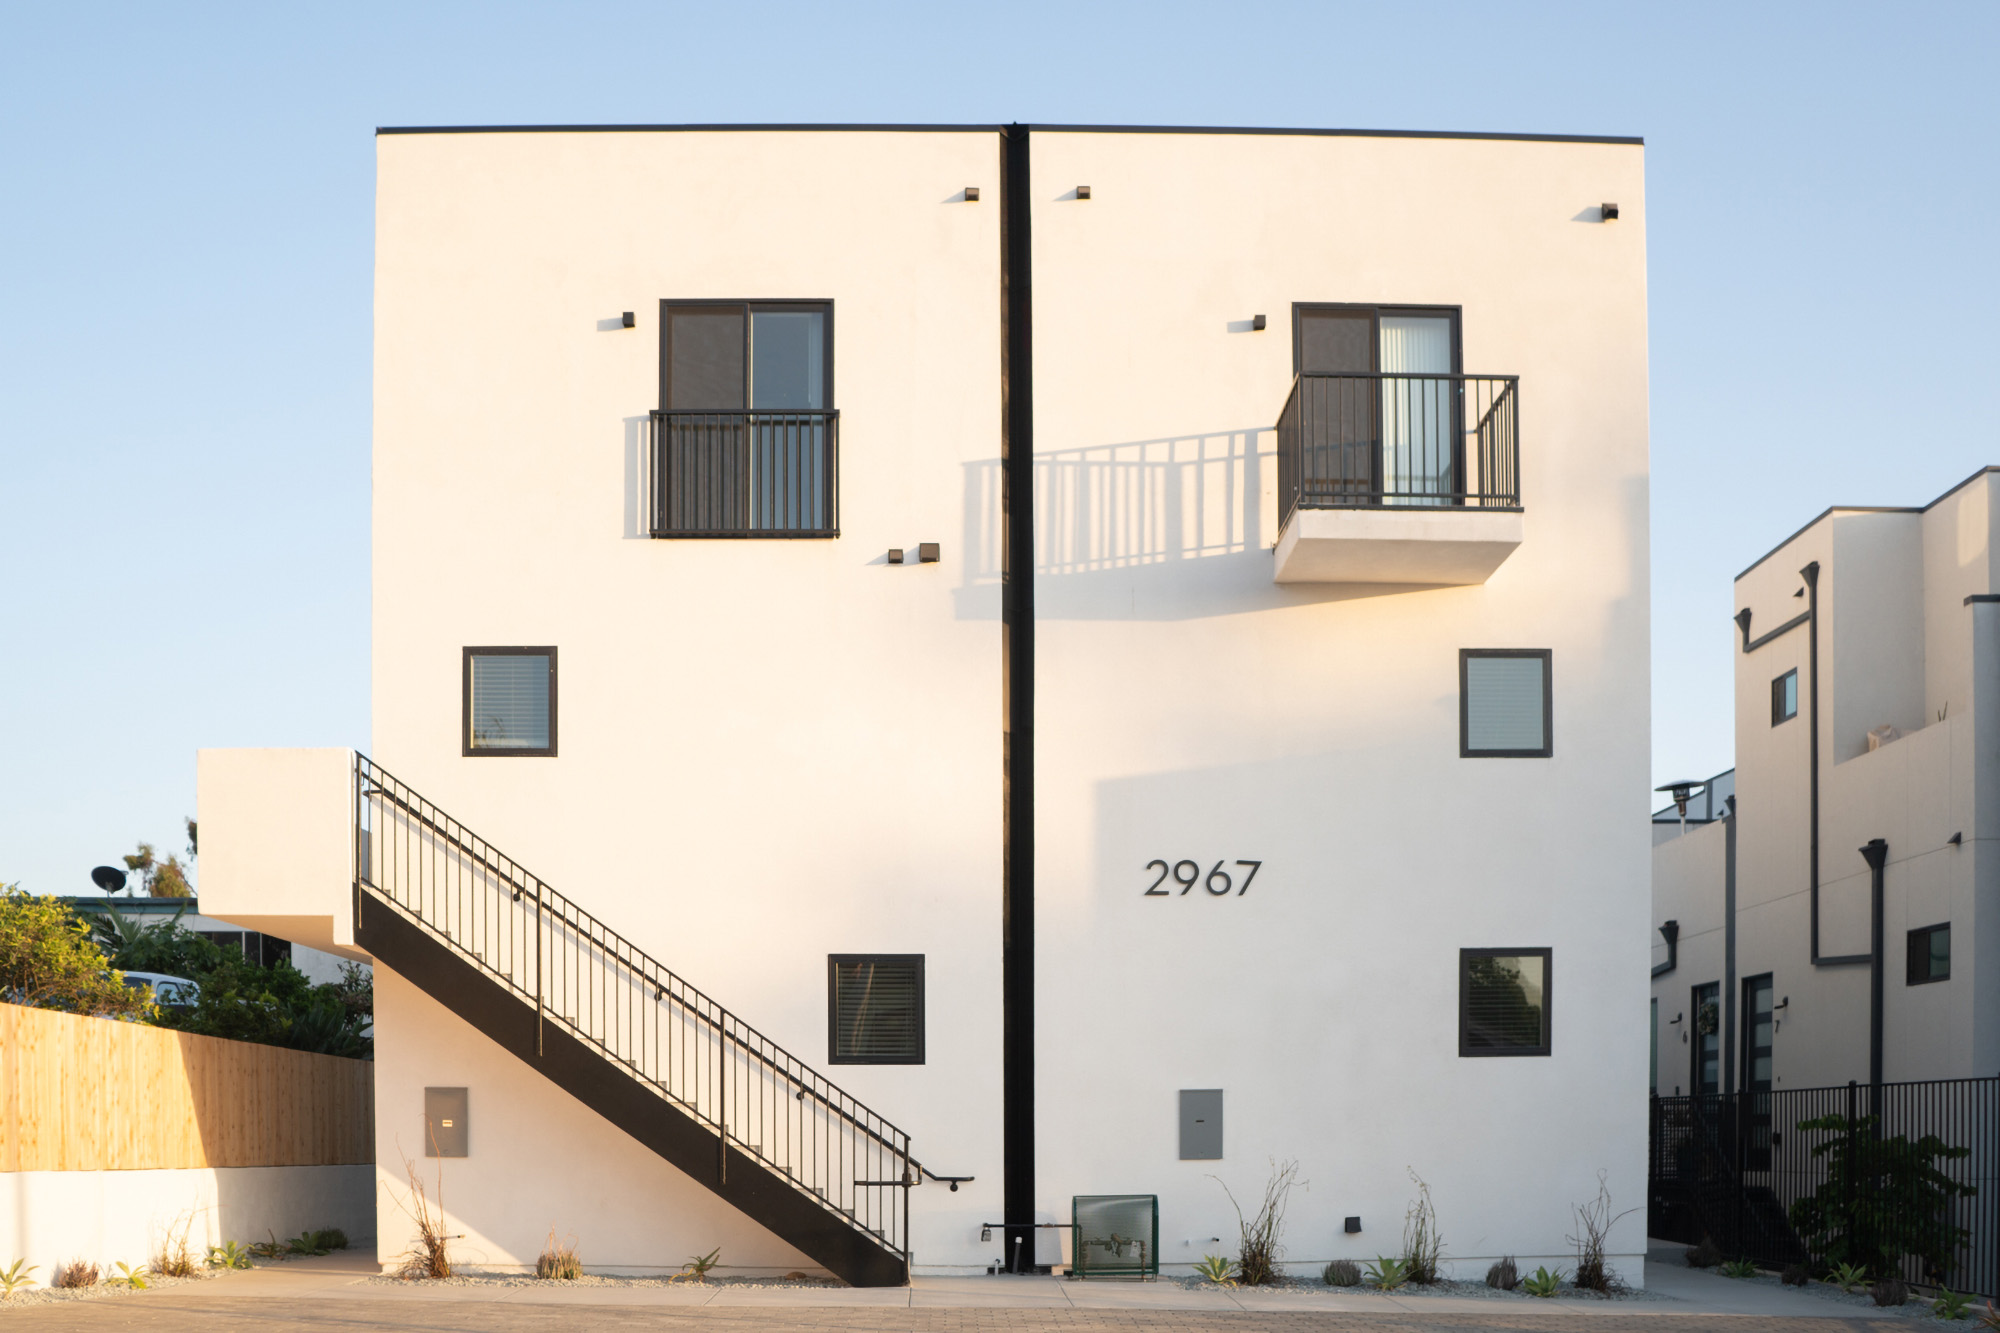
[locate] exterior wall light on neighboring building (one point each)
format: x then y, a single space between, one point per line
895 555
928 553
1083 192
627 320
972 194
1607 212
1257 323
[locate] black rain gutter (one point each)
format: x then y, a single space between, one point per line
1017 630
1810 619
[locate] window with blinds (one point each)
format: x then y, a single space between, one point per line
1504 703
875 1009
510 701
1503 1001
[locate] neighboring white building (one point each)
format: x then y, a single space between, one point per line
1868 708
1217 807
317 965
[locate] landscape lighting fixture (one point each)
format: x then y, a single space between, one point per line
1083 192
972 194
627 320
1607 212
895 555
1257 323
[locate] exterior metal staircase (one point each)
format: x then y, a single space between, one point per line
614 1028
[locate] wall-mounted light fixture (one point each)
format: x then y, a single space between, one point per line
1785 1003
1353 1226
972 194
928 553
986 1232
628 320
1257 323
895 555
1956 839
1607 212
1083 192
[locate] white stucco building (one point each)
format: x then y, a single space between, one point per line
1832 927
1120 652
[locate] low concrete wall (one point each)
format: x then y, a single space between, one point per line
124 1216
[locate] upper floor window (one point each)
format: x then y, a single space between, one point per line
510 701
1785 697
745 440
1930 954
1503 1001
875 1009
1505 699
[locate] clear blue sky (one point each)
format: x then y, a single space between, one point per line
186 203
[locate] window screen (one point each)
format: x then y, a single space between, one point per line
1503 1002
1930 954
510 701
1503 703
1785 697
875 1009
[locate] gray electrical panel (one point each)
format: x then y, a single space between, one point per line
445 1129
1201 1124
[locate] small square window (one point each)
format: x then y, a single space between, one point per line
1504 697
1930 954
510 701
1785 697
1503 1001
875 1009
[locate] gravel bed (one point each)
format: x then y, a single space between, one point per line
29 1296
493 1279
1458 1289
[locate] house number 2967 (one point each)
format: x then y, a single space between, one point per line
1187 874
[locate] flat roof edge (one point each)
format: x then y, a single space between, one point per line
1630 140
1831 510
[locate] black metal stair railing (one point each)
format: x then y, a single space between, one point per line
584 978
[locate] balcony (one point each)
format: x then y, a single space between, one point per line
1391 478
744 474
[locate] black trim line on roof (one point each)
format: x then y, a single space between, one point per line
1017 628
1865 509
1632 140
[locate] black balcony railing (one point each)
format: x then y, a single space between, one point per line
744 474
1363 441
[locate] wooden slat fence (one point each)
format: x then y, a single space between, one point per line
94 1094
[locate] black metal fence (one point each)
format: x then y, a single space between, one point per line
1904 1177
1351 441
744 474
584 977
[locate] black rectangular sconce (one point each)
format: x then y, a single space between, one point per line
1353 1227
1083 192
972 194
927 553
1257 323
1607 212
627 319
895 555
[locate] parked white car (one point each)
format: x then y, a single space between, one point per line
166 990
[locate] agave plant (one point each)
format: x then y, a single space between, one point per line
1848 1276
1739 1268
229 1254
1542 1283
1387 1274
1950 1304
696 1269
1217 1269
16 1276
129 1276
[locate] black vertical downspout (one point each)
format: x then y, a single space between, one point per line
1729 946
1811 575
1017 631
1876 853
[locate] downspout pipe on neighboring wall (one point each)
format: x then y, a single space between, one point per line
1017 630
1876 854
1729 947
1670 931
1810 618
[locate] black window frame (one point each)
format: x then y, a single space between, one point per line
1547 1046
1778 714
1375 309
833 964
822 305
466 747
1548 747
1923 934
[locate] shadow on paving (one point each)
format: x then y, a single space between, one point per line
346 1316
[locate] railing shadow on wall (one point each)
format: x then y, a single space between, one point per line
1173 528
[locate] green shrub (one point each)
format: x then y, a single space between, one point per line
1542 1283
47 960
1882 1198
1387 1274
1342 1273
1890 1291
1739 1268
1214 1268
